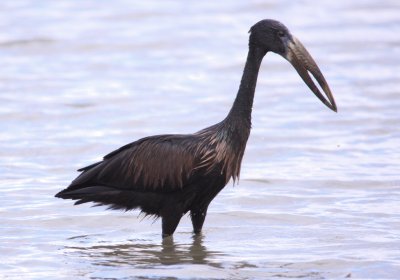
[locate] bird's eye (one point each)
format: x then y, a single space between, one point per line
281 33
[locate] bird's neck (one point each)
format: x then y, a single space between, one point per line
243 104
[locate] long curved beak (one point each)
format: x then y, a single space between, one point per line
304 64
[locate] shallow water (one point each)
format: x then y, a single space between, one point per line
319 195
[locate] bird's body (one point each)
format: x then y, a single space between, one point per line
170 175
165 175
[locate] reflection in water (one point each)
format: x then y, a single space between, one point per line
196 253
144 256
139 253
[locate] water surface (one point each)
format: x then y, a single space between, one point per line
319 195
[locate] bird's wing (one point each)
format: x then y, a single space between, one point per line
163 163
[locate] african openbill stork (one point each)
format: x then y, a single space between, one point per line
169 175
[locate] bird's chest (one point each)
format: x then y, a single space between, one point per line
206 187
220 153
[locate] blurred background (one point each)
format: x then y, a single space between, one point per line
319 193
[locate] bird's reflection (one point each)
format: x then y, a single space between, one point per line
196 253
144 254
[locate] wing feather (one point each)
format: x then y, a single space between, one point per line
163 163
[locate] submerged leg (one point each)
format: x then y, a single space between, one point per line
198 217
169 223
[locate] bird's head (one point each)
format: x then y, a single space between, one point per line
271 35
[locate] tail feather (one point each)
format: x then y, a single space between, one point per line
148 202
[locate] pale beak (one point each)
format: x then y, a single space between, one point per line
304 64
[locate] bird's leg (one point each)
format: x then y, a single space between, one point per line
169 223
198 217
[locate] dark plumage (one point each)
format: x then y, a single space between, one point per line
169 175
